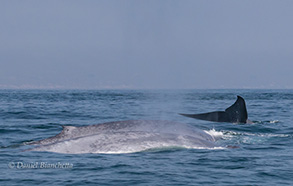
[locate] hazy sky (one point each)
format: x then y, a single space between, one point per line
146 44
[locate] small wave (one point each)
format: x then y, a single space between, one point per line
275 135
161 149
263 122
251 138
5 131
215 134
233 133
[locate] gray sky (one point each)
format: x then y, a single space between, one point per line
146 44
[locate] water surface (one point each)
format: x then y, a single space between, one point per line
264 156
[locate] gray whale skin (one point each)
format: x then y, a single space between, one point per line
125 137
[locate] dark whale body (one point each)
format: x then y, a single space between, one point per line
236 113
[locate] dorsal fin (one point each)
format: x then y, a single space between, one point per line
67 129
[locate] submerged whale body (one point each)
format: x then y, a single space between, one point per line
236 113
125 137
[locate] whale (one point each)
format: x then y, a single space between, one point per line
236 113
126 137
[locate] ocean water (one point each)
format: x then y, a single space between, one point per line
264 155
